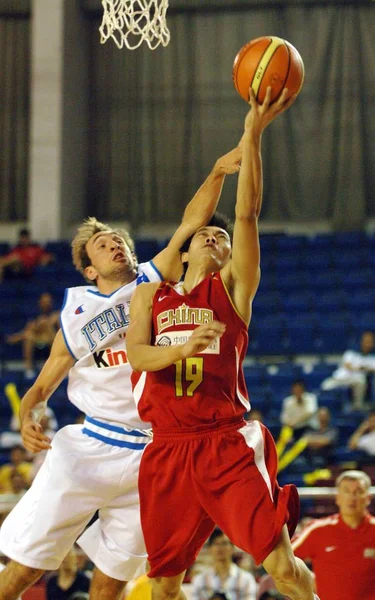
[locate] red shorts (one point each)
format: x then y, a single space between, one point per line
224 474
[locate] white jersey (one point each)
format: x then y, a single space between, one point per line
94 327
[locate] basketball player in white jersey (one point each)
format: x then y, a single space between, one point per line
94 467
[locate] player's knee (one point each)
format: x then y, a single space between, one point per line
166 588
103 586
21 575
284 571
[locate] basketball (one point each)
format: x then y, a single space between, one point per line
268 61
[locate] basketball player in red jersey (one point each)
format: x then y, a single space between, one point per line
186 344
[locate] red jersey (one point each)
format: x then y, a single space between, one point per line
29 256
343 558
207 387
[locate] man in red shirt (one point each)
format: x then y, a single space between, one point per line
342 547
24 257
186 342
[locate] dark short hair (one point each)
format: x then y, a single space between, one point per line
300 382
24 231
214 535
218 596
218 219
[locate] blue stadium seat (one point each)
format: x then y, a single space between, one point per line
361 301
287 261
351 240
321 241
255 374
4 248
146 249
291 281
344 259
357 279
266 303
60 249
325 280
267 336
319 259
297 302
291 243
332 337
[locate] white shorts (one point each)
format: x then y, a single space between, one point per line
80 475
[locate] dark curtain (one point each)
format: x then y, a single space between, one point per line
159 120
14 116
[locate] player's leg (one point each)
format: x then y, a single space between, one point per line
251 508
114 542
106 588
168 588
290 574
16 579
44 524
174 523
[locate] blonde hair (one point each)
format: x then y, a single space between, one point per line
355 475
84 233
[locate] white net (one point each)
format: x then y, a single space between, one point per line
131 22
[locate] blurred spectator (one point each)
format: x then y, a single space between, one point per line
13 437
321 441
342 547
18 484
271 595
24 257
364 436
355 371
299 410
68 581
18 465
224 576
38 333
254 415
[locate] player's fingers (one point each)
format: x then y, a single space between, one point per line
267 98
252 99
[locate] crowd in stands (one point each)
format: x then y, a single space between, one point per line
320 408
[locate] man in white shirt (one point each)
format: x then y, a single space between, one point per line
299 410
354 370
224 576
364 437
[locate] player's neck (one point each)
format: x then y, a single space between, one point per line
194 276
353 521
108 286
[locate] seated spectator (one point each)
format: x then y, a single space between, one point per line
13 437
321 441
224 576
364 436
299 410
68 581
254 415
38 333
24 257
355 371
18 464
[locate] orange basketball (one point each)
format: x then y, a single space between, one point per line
268 61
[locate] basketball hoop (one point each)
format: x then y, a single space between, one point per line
131 22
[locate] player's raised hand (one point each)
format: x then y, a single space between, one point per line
261 115
230 162
202 337
33 437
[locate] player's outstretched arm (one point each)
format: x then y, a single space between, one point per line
145 357
197 213
55 369
242 273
